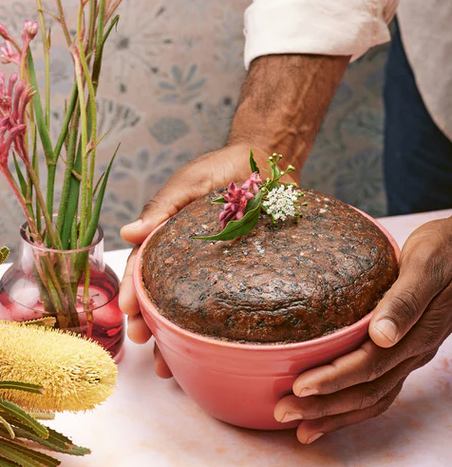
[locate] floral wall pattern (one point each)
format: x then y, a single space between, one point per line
170 84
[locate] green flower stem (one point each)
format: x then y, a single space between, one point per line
46 48
94 221
53 292
63 226
66 123
60 288
86 300
73 202
100 41
92 128
63 23
85 183
74 232
70 279
25 188
50 191
92 25
112 10
45 137
51 232
35 165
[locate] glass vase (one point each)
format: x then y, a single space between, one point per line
74 287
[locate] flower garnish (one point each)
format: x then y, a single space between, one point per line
237 199
281 202
242 206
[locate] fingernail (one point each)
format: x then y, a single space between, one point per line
388 328
314 437
291 416
305 392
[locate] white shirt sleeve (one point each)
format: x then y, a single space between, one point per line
326 27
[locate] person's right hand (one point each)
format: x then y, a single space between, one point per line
197 178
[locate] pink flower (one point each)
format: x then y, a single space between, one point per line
14 98
8 54
30 30
4 33
252 182
7 137
237 199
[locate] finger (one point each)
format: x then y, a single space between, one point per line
160 367
127 299
310 430
137 329
362 365
347 400
405 302
424 272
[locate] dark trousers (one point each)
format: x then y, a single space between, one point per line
417 155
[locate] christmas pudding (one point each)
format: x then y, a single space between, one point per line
291 265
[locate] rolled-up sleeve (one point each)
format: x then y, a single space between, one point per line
327 27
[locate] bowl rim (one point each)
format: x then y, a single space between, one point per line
143 296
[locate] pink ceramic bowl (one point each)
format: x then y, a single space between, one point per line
241 383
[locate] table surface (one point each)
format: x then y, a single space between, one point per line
149 421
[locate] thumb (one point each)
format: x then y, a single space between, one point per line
155 211
183 187
402 306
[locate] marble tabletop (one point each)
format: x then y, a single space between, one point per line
150 422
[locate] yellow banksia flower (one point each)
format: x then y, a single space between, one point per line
75 374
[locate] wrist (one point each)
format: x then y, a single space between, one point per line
283 102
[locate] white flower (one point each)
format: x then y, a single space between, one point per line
281 202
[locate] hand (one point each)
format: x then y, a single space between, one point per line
407 328
197 178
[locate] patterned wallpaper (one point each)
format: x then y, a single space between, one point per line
170 83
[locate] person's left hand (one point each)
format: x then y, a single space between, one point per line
406 330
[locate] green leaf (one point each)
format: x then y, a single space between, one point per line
8 427
220 200
6 463
4 252
253 165
254 202
94 221
56 441
24 456
69 112
21 178
114 22
18 413
70 212
39 113
43 415
46 321
19 385
234 229
98 184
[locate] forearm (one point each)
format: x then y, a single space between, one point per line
283 102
